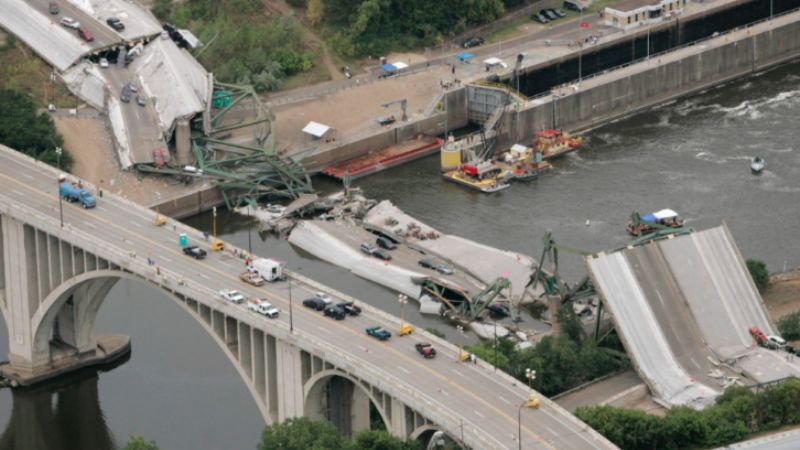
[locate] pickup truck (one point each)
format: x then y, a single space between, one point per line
263 307
350 308
232 295
252 278
379 333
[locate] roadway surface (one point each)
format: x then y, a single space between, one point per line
487 405
104 36
788 440
141 125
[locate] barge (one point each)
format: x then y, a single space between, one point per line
379 160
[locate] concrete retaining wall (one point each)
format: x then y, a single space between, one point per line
434 125
185 205
630 89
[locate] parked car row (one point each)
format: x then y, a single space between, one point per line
430 263
323 302
373 250
547 15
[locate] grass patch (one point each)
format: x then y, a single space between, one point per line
317 74
510 30
23 71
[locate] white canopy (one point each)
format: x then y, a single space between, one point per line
518 148
665 214
316 129
400 65
495 62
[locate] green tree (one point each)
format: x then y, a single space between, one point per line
382 440
758 270
162 9
139 443
24 129
302 434
789 326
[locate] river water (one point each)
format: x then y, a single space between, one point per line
691 155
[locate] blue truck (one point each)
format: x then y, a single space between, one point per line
73 193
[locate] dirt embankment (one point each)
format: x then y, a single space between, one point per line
783 295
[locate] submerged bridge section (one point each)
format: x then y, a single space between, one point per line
684 307
55 276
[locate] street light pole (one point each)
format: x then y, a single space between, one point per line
291 317
60 180
249 226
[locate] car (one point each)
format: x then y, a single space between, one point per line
384 242
472 42
132 87
335 312
537 17
158 157
443 269
69 22
125 96
263 307
427 263
379 333
85 34
557 12
140 100
758 336
115 23
324 297
368 248
53 7
382 254
549 14
425 349
350 308
775 342
252 278
194 251
231 295
574 5
498 310
314 303
103 63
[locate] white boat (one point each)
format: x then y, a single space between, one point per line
757 164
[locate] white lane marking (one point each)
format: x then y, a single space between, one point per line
324 329
90 225
404 369
459 373
28 176
204 276
551 431
503 399
136 225
18 192
362 348
480 415
166 259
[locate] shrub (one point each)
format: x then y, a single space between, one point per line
758 270
789 326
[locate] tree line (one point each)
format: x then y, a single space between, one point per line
24 128
242 43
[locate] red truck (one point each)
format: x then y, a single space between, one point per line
758 336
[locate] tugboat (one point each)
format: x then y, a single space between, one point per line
757 165
552 143
484 177
641 225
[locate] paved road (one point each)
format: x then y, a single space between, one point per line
471 394
141 124
104 36
788 440
601 391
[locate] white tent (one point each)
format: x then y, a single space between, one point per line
665 214
400 65
316 129
495 62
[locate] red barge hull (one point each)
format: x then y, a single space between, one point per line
379 160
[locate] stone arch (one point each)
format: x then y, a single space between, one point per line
312 391
45 315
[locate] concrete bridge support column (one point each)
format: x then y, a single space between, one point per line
183 142
399 425
74 324
21 292
289 380
359 411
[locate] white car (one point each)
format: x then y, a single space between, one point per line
232 295
263 307
324 297
103 63
69 22
776 341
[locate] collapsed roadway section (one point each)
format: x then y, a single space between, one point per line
683 307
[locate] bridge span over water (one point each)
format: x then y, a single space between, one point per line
55 278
